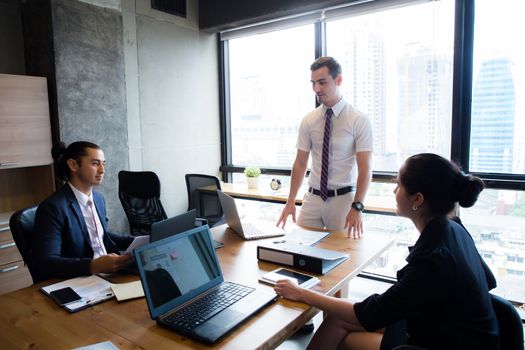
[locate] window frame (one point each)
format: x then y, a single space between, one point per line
461 104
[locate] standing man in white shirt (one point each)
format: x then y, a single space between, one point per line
339 138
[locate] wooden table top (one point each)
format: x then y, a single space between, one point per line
29 319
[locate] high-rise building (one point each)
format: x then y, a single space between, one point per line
364 74
423 78
493 118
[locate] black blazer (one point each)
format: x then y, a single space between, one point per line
61 243
442 293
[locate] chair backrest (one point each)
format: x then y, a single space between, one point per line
510 324
206 203
21 224
139 193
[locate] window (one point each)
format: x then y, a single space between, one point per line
496 224
397 68
497 140
270 93
398 62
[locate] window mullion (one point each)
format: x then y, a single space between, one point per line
462 83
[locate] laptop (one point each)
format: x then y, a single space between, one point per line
185 289
175 225
246 230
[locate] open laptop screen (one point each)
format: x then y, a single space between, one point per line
178 268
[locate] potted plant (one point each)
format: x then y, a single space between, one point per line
252 176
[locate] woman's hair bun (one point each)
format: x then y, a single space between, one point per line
468 188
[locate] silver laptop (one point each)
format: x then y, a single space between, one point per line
246 230
185 289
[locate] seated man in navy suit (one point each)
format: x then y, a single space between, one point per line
71 236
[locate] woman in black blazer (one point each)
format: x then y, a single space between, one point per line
442 293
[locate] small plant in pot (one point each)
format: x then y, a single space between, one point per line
252 176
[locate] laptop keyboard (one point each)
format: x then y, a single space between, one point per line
205 308
250 230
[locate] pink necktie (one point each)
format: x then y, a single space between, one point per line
90 203
97 244
326 153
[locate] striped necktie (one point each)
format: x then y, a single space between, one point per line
326 153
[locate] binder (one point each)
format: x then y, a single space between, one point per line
306 258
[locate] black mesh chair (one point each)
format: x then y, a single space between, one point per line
139 193
510 324
21 224
205 202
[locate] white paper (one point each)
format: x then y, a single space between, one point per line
304 237
139 241
107 345
130 290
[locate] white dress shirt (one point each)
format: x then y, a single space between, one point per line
351 133
94 226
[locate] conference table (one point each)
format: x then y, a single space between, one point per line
29 319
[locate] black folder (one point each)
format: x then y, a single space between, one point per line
306 258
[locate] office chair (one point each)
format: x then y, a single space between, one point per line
206 203
139 193
21 224
510 324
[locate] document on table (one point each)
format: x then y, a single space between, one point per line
125 291
139 241
89 290
106 345
304 237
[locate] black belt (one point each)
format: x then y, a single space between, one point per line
333 193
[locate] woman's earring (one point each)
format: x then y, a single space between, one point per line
415 208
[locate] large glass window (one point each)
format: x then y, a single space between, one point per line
397 68
269 94
496 223
497 140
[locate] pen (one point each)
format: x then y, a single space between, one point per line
103 295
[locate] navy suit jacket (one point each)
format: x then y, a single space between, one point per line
61 243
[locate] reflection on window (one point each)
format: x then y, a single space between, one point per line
269 94
496 223
397 68
497 140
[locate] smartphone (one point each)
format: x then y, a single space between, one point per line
65 295
303 280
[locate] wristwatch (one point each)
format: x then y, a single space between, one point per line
358 206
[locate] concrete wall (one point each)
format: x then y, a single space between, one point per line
141 83
90 83
178 97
